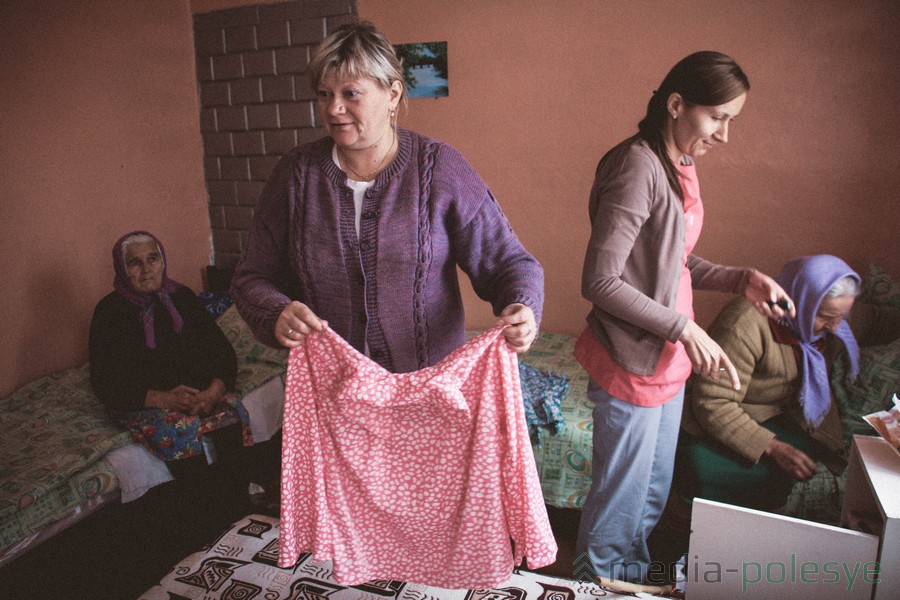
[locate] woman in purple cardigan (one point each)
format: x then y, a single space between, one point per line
365 229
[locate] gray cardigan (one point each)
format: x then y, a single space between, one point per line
634 257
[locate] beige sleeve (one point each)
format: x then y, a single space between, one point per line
717 408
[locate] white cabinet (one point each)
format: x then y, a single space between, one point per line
872 505
739 553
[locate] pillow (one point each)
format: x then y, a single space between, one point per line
257 363
880 288
215 303
879 380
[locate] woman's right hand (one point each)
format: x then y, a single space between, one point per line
296 322
182 399
707 357
792 461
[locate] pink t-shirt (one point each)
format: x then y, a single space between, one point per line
423 477
674 366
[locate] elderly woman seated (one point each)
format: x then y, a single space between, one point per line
162 366
749 447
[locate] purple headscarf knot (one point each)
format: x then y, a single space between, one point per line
807 281
122 284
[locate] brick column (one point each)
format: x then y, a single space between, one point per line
255 102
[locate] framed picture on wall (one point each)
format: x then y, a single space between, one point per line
425 69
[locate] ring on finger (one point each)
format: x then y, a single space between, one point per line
289 331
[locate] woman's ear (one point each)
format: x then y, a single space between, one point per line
396 92
675 105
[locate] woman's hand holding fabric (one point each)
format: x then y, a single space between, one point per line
295 322
792 461
707 357
522 327
764 294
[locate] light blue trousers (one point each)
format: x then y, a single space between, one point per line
633 459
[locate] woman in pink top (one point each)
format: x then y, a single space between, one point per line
641 343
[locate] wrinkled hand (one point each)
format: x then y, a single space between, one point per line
792 461
296 322
522 327
763 292
207 400
707 357
181 398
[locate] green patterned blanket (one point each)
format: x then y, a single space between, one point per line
564 460
54 433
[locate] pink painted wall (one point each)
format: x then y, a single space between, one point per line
100 134
540 90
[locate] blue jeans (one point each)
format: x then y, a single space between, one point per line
633 460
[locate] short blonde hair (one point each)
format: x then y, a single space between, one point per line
353 51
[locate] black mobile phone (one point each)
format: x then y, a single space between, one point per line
784 304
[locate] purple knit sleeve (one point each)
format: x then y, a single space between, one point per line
501 270
261 279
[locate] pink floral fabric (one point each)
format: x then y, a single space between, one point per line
425 477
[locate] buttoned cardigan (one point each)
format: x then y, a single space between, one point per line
394 286
635 255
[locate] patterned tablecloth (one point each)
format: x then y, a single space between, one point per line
242 564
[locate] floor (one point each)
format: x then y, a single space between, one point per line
668 543
122 550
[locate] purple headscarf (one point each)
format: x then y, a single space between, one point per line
807 281
122 285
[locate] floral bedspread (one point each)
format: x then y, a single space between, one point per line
53 433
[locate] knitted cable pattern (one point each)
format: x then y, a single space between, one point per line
420 317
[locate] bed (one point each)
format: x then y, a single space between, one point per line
62 458
564 459
242 563
53 437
